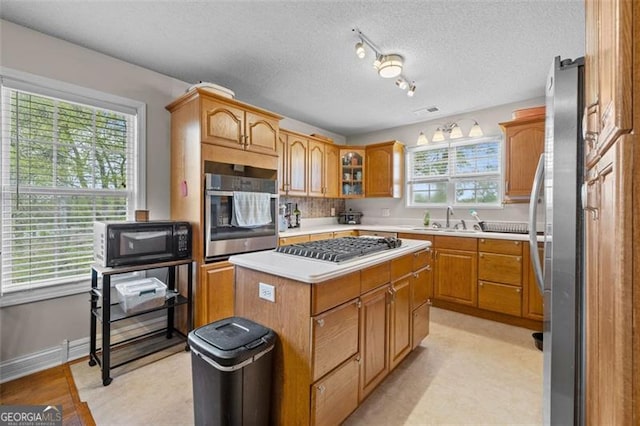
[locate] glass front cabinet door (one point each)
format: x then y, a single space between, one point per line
352 173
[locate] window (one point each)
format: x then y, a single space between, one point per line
464 173
67 160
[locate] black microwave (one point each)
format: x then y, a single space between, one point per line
136 243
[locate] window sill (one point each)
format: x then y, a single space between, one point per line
45 293
54 292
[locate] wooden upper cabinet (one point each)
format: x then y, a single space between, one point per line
262 134
384 163
298 165
316 168
228 123
591 119
283 162
614 63
331 171
222 124
524 143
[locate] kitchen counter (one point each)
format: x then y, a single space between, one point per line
409 229
314 271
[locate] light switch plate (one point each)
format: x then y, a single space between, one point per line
267 292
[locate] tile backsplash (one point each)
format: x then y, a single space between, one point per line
315 207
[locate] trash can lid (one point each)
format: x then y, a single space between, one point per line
232 333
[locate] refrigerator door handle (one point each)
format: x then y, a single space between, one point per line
533 232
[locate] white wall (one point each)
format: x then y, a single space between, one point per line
399 214
31 327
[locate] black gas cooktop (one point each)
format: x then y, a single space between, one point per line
341 249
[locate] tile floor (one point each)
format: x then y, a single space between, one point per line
468 371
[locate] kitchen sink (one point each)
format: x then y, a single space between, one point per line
461 231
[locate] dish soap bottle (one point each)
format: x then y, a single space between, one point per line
296 213
427 218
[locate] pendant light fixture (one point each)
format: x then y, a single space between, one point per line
387 65
452 129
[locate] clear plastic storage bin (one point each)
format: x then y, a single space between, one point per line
145 293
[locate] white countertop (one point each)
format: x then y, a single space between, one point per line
409 229
315 271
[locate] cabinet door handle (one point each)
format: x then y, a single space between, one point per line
481 254
358 304
517 243
416 275
320 322
428 268
321 388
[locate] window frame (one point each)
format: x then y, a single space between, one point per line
39 85
451 178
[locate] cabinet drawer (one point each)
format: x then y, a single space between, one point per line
331 293
375 277
283 241
401 266
500 298
340 234
500 246
500 268
334 337
321 236
420 324
336 396
421 287
421 259
455 243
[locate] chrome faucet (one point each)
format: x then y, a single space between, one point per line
449 214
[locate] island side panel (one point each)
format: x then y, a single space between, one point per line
289 317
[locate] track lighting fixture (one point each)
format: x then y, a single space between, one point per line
360 52
452 129
387 65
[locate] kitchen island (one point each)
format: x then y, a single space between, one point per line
342 327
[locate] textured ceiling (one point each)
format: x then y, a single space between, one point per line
297 58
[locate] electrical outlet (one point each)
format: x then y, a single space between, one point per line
386 213
267 292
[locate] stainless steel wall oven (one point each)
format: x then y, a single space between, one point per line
240 215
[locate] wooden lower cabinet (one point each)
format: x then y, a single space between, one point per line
456 276
321 236
502 298
374 347
350 233
420 326
215 293
283 241
400 320
532 303
335 396
335 337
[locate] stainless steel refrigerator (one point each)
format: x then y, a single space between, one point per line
557 193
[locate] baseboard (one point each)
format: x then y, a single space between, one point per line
65 352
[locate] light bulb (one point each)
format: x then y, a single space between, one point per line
475 131
456 132
401 83
412 90
377 62
360 52
438 136
422 139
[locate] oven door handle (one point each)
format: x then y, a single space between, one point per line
215 193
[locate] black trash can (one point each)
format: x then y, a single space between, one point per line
231 363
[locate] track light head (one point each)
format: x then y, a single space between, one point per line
412 89
360 52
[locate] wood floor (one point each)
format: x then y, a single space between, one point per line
54 386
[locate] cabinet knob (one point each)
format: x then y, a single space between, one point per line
320 322
481 284
416 275
519 258
517 243
482 240
359 304
321 388
518 290
481 254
